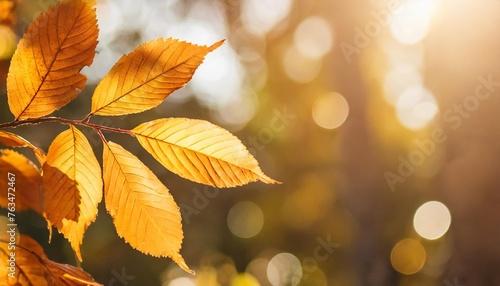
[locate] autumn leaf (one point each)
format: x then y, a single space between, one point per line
26 189
144 212
72 185
33 268
14 140
64 274
142 79
200 151
44 74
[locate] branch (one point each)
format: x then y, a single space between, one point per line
84 122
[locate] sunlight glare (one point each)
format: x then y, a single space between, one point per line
411 24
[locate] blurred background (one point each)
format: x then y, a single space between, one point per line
381 118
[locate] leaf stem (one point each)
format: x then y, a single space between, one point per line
84 122
87 118
102 136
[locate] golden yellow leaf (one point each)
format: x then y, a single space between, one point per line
44 74
24 187
144 212
72 185
200 151
13 140
33 268
142 79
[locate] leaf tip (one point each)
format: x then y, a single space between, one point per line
179 260
267 180
216 45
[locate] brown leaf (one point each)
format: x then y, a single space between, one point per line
200 151
44 74
72 185
142 79
33 268
144 212
25 188
14 140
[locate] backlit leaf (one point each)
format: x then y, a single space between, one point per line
144 212
142 79
13 140
33 268
26 186
44 74
72 185
200 151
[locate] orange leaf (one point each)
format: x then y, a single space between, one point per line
63 274
45 70
144 212
72 185
200 151
25 188
13 140
142 79
33 268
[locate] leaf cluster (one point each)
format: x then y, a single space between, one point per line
67 183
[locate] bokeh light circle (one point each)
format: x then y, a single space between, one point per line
245 219
8 42
330 110
261 16
432 220
181 281
245 279
412 23
313 37
284 269
300 68
416 107
408 256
